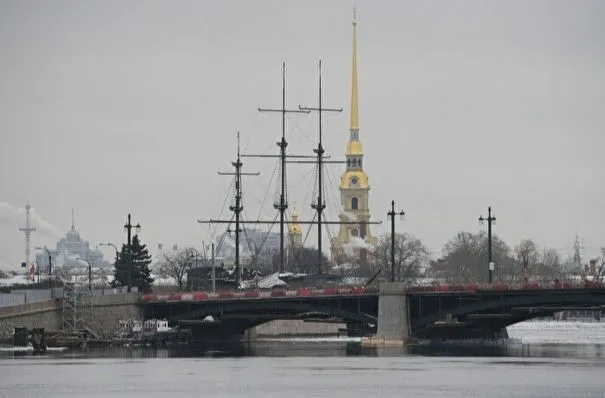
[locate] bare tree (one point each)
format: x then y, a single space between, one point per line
176 264
527 253
549 264
410 256
465 259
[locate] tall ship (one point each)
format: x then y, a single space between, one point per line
249 255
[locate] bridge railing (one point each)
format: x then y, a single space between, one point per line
477 287
363 290
263 294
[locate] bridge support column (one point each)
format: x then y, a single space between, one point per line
393 316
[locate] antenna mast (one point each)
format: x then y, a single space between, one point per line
29 228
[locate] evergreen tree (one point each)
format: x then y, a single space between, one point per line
140 272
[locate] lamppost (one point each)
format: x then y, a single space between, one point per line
392 214
114 248
127 228
50 266
490 219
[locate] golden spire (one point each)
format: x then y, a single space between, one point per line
354 94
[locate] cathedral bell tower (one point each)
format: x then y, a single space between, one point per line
354 185
295 231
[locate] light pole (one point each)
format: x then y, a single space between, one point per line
127 228
114 248
490 219
392 214
50 266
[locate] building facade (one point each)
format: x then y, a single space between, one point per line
70 251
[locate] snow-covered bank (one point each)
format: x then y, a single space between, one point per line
571 332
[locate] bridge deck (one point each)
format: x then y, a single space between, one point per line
343 291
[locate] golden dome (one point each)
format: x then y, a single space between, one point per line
354 148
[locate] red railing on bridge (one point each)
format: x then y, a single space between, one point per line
261 294
362 290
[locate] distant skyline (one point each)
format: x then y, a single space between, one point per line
112 108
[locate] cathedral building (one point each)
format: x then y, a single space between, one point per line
352 240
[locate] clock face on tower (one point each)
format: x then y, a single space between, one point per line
354 181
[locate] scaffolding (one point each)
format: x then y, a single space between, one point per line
77 306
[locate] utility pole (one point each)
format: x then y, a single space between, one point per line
29 228
128 227
282 203
238 207
490 219
320 205
392 214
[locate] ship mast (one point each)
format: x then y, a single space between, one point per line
238 207
282 204
320 205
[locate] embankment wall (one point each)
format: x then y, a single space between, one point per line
107 310
40 314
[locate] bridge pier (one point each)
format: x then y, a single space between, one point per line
393 316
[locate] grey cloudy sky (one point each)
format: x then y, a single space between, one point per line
112 107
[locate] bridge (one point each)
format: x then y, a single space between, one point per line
434 312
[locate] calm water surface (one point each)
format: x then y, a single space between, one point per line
317 368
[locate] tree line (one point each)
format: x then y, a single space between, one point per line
464 259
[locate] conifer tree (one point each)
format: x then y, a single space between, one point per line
140 272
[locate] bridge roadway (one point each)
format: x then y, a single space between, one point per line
437 311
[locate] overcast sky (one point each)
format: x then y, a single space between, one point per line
111 107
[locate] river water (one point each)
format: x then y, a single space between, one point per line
550 360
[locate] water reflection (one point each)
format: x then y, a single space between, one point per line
296 348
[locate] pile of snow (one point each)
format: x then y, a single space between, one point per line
559 332
264 282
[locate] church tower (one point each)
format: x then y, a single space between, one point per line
354 185
295 231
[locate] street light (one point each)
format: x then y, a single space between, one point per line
50 266
127 228
490 220
114 247
392 214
